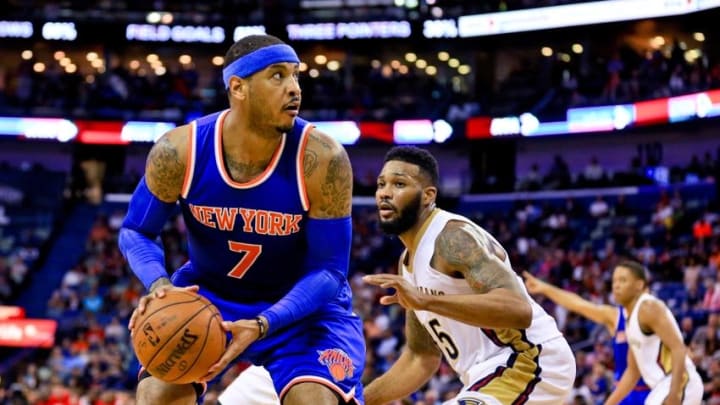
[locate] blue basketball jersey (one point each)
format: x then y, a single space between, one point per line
247 249
246 241
620 350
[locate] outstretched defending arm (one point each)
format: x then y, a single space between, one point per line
603 314
328 177
415 366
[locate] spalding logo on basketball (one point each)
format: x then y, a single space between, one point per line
179 336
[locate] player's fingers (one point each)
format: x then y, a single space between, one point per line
131 322
231 352
227 326
390 284
371 279
389 300
192 288
378 278
142 303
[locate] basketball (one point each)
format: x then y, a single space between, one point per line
179 337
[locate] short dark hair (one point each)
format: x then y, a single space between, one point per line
248 44
422 158
637 269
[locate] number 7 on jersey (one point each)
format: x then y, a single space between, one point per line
251 252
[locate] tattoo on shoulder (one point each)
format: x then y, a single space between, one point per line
418 338
478 257
336 188
310 162
320 140
165 171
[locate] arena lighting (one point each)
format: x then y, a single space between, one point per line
413 131
28 332
16 29
38 128
446 28
600 119
62 31
343 3
11 312
144 131
603 118
345 132
120 133
683 108
349 30
442 131
595 12
241 31
174 33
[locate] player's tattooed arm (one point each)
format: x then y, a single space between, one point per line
463 249
328 177
166 164
419 340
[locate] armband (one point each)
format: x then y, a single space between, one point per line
144 221
328 259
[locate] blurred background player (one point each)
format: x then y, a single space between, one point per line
463 301
266 199
612 317
657 352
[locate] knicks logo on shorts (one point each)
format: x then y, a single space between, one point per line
471 402
337 362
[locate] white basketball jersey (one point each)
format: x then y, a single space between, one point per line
464 345
653 358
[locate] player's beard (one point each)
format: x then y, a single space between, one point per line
284 129
405 219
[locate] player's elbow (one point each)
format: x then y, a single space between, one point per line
523 315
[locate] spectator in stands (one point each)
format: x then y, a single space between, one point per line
702 229
599 208
532 181
558 176
594 173
621 207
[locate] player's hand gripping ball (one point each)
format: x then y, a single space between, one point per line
179 336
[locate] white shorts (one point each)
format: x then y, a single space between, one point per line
253 386
692 393
502 380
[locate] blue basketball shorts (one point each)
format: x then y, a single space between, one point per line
327 347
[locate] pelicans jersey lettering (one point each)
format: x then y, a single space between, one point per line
504 366
655 362
248 248
620 348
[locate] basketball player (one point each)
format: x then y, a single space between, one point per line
463 301
657 352
267 199
612 317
